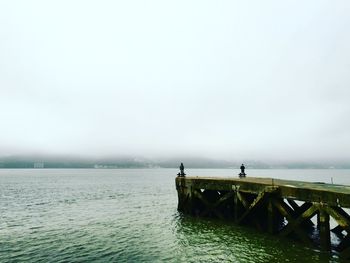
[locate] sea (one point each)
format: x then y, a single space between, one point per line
130 215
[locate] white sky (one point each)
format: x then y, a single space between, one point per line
223 79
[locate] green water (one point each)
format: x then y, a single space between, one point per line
129 216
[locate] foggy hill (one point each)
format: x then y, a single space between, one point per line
37 161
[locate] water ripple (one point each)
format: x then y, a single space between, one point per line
120 216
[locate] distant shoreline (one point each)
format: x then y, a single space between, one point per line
150 168
61 162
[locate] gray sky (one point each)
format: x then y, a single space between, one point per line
223 79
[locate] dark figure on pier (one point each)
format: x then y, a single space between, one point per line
182 170
242 173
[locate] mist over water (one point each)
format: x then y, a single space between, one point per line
130 216
267 81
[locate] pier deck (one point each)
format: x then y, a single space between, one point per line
281 207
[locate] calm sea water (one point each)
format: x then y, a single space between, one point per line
130 216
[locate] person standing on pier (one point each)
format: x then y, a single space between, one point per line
182 170
242 173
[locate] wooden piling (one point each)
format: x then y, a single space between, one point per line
324 229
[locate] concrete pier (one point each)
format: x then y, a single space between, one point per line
279 207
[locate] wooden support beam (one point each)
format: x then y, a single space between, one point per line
293 224
253 206
344 214
243 200
339 216
198 194
293 204
185 200
342 218
325 240
208 206
246 205
290 211
236 204
338 230
270 219
223 198
212 207
318 220
301 209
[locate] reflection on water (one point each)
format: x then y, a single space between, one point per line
214 241
129 216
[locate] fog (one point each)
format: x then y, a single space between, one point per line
263 80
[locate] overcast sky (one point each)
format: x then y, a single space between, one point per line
223 79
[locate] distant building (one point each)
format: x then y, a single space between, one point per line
38 165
